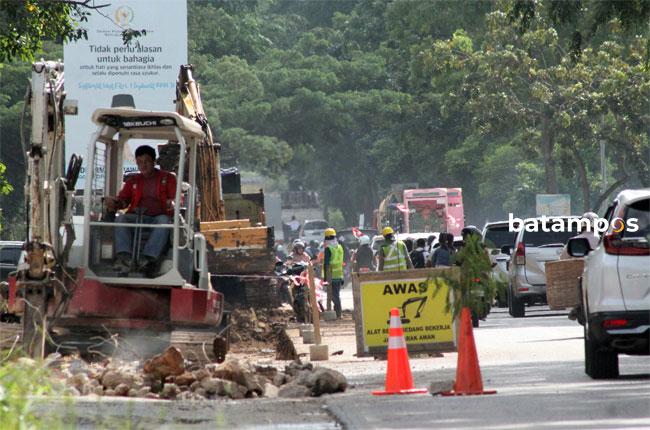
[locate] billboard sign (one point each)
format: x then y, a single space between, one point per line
102 66
553 204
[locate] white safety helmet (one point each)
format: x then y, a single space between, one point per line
364 240
298 244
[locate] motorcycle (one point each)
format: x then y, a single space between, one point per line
294 289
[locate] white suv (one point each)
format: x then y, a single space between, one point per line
313 229
615 308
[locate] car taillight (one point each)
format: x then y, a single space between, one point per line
617 323
615 245
520 254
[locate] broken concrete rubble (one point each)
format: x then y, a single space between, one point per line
170 362
168 376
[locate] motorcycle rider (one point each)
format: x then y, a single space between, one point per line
393 255
312 249
441 256
298 254
362 261
333 267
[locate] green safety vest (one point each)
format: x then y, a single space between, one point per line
394 256
335 262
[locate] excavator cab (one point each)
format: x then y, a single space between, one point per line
183 260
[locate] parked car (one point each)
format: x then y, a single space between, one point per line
313 229
615 305
10 254
526 267
496 235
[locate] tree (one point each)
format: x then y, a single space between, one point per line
584 20
24 25
5 188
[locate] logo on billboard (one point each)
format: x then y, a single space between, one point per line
123 16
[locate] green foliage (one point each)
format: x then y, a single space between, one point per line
349 97
25 24
244 150
583 19
5 188
336 219
20 382
475 288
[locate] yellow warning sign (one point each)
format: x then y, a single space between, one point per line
421 302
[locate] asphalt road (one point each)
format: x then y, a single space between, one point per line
534 363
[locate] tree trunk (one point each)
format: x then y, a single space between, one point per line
582 176
548 136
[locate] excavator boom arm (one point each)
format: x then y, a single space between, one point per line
189 104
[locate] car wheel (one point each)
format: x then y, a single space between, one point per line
517 307
599 364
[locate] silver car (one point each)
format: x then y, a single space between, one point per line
526 268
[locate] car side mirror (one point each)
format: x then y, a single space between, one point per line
578 247
506 249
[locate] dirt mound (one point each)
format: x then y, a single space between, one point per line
254 330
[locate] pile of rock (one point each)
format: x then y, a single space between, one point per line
166 376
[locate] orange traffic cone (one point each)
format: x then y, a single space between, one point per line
468 372
398 374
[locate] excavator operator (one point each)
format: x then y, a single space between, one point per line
148 198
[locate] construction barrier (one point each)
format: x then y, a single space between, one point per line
428 327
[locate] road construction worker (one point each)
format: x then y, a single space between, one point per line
313 250
333 267
362 261
393 255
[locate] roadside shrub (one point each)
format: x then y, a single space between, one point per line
20 382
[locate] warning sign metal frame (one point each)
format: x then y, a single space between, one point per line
365 350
